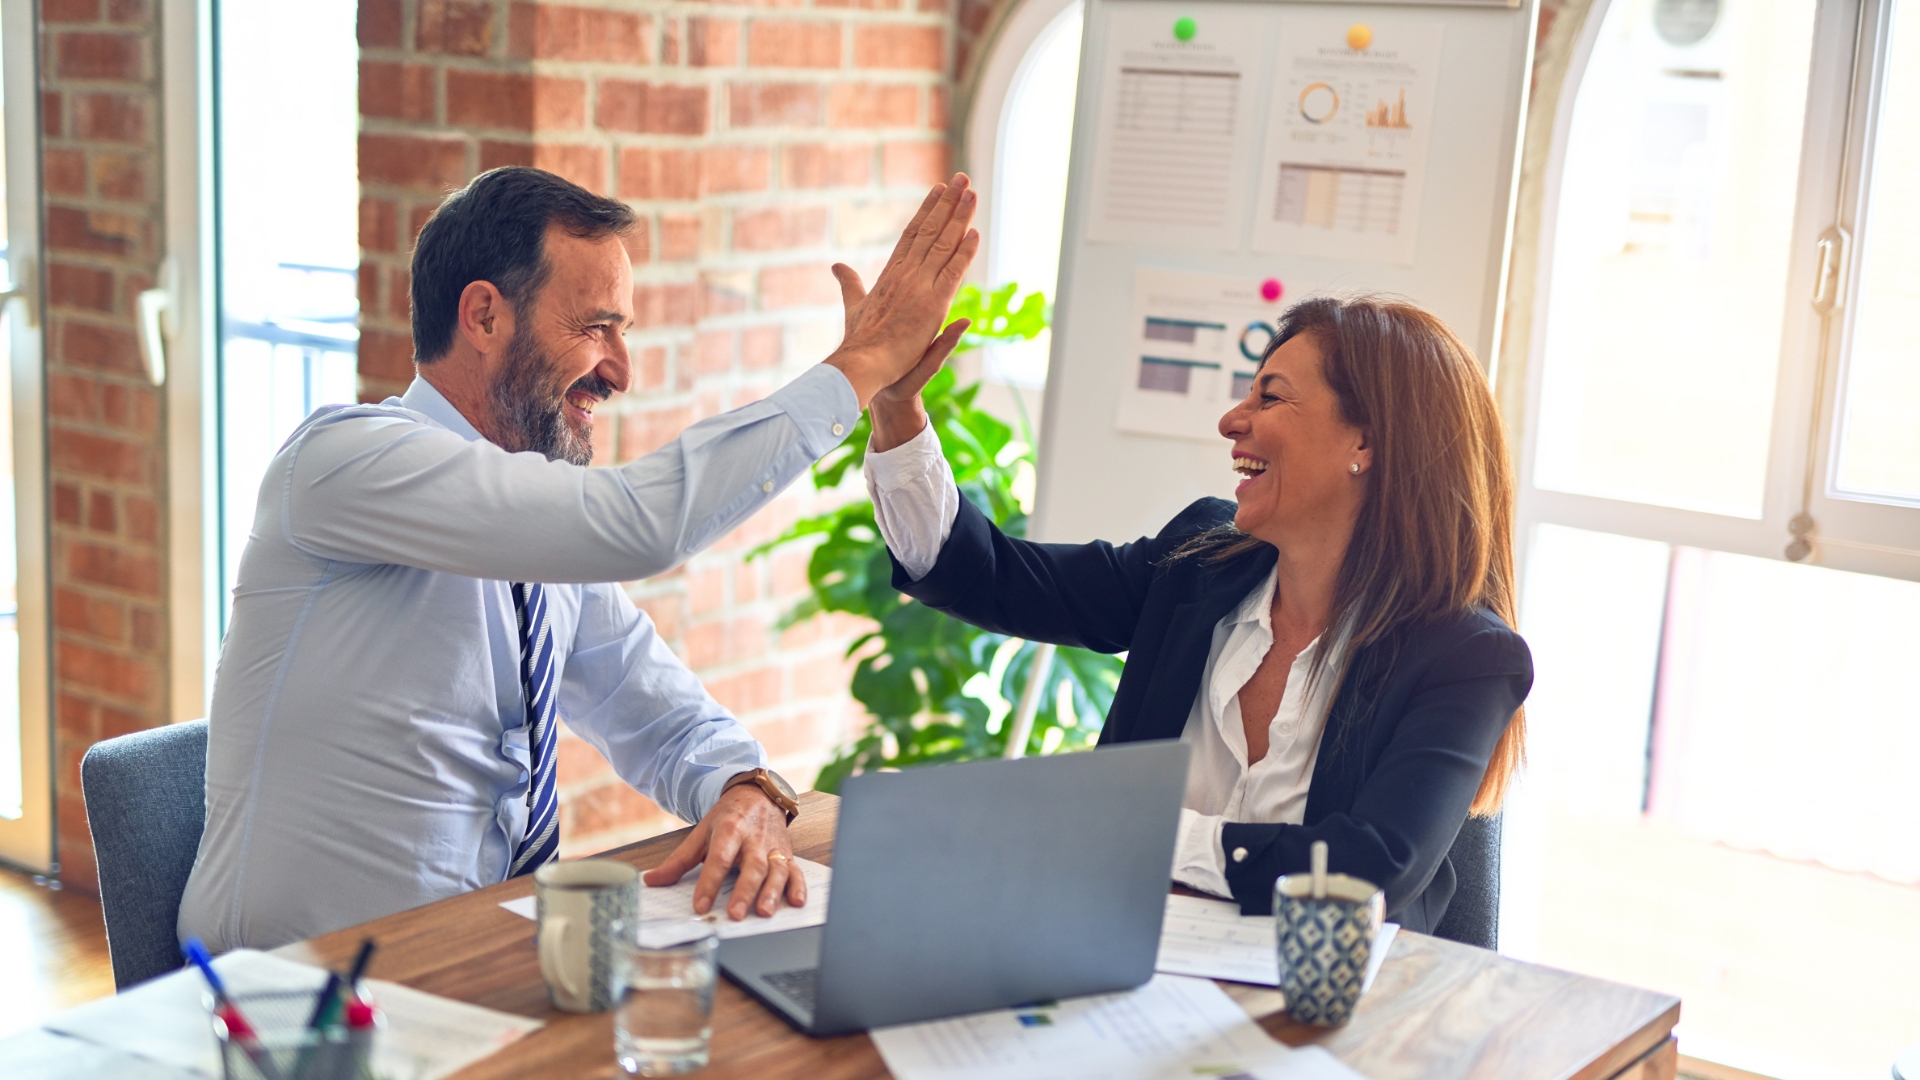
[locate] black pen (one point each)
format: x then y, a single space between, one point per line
359 967
324 1013
322 1003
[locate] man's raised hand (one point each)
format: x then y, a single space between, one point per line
895 328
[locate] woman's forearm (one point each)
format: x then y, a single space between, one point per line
914 500
895 422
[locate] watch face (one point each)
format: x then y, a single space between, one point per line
781 783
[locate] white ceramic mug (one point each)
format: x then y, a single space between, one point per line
579 906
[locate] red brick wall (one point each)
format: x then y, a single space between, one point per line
759 143
99 94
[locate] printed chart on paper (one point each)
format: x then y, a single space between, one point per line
1347 133
1197 341
1172 1027
1175 127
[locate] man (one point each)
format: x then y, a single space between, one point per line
420 594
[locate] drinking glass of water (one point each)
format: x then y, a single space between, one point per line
663 1008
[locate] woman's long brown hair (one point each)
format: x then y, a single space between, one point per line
1435 532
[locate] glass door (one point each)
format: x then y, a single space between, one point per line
26 768
1720 523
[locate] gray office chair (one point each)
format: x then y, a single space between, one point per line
1473 916
146 804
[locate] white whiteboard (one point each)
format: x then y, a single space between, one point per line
1099 482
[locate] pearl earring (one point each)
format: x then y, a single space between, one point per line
1354 468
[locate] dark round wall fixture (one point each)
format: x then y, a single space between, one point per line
1685 22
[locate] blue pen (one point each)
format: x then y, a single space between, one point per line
195 951
238 1029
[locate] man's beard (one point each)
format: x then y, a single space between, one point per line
529 404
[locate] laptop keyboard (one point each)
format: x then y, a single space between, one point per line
798 986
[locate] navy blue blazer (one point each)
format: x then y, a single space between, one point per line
1407 739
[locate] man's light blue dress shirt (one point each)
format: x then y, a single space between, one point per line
368 746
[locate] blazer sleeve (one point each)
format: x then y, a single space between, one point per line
1408 810
1085 595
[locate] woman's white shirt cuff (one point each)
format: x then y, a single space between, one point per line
914 500
1198 862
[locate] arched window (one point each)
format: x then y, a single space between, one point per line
1020 132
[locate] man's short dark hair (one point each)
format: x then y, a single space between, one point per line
495 229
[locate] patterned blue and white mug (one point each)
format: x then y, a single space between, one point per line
1325 944
580 907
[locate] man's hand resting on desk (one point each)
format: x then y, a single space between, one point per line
743 829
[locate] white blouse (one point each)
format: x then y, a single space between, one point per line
915 502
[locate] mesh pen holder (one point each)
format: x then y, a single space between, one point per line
281 1046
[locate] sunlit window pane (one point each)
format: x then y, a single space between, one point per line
1880 444
1776 777
1671 255
289 249
1030 182
1782 679
1593 604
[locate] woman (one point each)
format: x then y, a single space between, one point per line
1337 647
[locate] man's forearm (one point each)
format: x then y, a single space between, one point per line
375 489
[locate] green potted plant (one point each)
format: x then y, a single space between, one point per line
936 689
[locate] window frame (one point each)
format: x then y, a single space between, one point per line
28 841
1855 533
1800 438
193 578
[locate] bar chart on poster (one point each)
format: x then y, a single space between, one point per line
1344 163
1230 158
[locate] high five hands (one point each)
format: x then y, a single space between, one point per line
893 339
893 331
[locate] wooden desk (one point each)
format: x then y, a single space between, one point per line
1438 1010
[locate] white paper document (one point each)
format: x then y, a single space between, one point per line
165 1020
1171 1027
1176 124
1307 1063
1347 130
676 902
1211 939
1197 343
39 1054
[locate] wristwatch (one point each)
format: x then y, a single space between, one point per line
775 787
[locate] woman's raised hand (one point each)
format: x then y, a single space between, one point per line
893 331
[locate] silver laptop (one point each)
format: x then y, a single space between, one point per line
961 888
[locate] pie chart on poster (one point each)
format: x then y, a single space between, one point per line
1318 103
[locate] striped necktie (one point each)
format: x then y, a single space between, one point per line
542 838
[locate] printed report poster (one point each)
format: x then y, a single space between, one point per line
1196 343
1178 120
1347 130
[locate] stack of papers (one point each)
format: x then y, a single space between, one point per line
165 1020
1173 1027
676 902
1211 939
